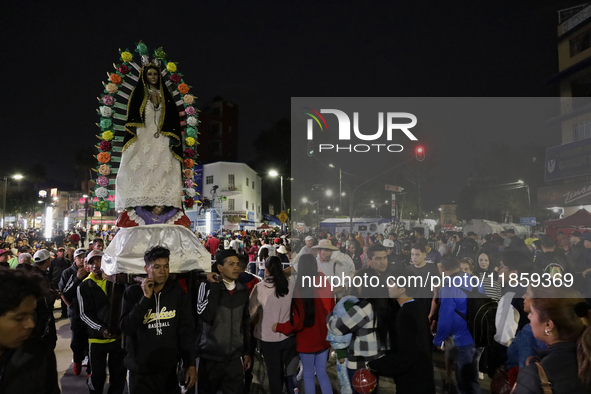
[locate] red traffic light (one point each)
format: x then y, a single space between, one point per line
420 153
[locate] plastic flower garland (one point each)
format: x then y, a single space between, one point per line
107 135
102 181
102 206
104 157
109 118
104 169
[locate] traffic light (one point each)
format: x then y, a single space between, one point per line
420 153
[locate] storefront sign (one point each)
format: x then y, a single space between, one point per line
527 221
565 195
568 160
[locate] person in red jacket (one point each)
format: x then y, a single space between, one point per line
310 306
212 244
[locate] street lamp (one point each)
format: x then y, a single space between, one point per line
17 177
275 173
85 196
316 211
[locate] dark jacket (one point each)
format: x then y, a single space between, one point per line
95 309
560 364
518 244
57 267
222 322
543 261
409 363
30 368
156 343
45 321
68 285
576 256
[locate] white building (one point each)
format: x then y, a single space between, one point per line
240 184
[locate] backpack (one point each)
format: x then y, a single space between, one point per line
481 312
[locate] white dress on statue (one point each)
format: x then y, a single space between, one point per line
148 173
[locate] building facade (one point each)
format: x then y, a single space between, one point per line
218 132
232 191
568 166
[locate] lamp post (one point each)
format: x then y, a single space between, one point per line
85 196
17 177
275 173
305 201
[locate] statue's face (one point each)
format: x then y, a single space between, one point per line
157 210
152 76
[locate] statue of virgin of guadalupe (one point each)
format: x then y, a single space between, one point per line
149 182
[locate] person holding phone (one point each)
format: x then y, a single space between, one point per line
158 323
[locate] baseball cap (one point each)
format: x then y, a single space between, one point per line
309 238
61 248
41 255
277 240
388 243
576 233
79 251
92 254
586 236
407 245
224 254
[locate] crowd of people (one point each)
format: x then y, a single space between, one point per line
279 298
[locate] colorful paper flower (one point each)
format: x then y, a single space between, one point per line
171 67
101 192
190 141
102 206
189 163
126 57
189 202
106 123
175 78
188 99
190 111
108 100
190 192
183 88
123 69
105 146
107 112
104 157
191 132
107 135
189 152
192 121
102 181
116 79
142 49
104 169
189 183
159 53
111 88
188 173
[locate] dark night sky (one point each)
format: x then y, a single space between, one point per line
260 54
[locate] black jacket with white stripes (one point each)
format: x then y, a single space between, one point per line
222 322
95 310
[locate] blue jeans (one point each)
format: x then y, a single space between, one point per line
466 364
316 362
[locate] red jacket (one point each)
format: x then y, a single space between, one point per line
212 245
310 339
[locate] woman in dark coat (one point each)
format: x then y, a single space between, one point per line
560 318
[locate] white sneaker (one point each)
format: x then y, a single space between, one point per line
480 376
85 361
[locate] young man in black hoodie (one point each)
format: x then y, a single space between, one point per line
158 323
223 328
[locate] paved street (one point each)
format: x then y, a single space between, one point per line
72 384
